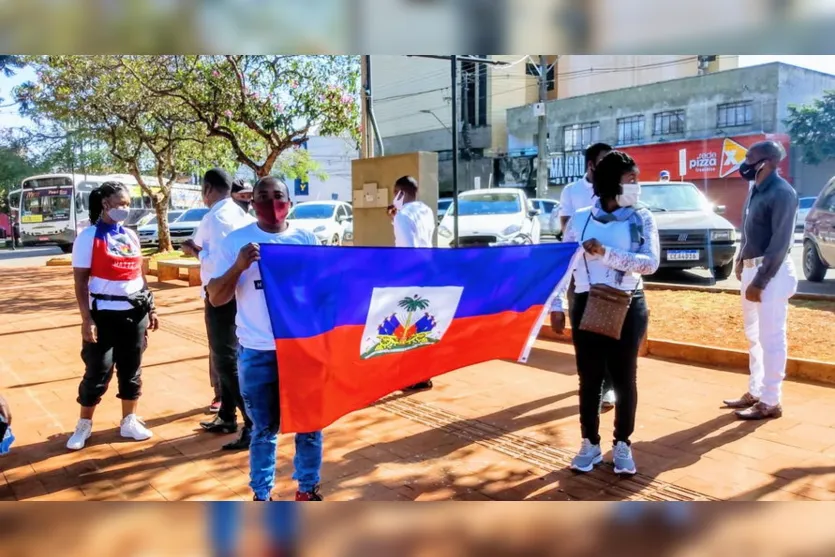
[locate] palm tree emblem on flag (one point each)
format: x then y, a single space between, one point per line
405 318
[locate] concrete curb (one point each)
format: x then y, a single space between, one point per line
722 290
722 358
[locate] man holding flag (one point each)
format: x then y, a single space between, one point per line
257 360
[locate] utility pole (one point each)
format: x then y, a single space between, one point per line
542 144
366 149
454 80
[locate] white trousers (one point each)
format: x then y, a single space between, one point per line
765 328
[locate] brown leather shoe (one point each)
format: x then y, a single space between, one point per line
745 401
760 411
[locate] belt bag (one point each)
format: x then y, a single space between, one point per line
141 301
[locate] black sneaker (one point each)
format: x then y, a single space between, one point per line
219 426
417 387
241 443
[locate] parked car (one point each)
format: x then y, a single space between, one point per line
548 217
496 216
688 226
149 232
443 205
186 225
326 219
804 204
819 235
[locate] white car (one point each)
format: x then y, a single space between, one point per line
328 220
186 225
804 204
496 216
149 232
549 217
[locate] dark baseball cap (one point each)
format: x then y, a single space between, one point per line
239 185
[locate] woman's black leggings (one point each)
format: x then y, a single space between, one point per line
595 355
121 341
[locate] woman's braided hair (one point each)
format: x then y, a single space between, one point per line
98 195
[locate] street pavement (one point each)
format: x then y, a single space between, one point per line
27 257
494 431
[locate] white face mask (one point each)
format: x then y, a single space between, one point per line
398 200
630 195
118 214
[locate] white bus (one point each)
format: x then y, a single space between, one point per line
54 207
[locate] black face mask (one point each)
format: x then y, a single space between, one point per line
749 171
243 205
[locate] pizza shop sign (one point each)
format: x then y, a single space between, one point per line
705 162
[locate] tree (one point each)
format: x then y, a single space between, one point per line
99 96
812 127
15 165
8 64
265 107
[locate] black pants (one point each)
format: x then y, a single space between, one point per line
595 355
223 352
607 378
120 341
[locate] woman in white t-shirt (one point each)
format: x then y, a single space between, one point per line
620 240
116 309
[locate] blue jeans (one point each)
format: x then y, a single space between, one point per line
281 519
258 371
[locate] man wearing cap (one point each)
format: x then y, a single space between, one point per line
242 194
664 176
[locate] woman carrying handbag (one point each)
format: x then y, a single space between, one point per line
620 243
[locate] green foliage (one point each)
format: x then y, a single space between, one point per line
812 127
263 106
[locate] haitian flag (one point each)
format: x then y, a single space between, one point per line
354 324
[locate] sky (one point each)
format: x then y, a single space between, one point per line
9 116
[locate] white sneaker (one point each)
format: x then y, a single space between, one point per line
83 431
133 428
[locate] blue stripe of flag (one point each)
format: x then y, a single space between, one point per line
310 290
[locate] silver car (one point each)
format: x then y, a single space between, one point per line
548 217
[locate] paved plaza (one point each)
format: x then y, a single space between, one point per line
495 431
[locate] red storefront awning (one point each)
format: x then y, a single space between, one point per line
703 159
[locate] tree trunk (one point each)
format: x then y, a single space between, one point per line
164 233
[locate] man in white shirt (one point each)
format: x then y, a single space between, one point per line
237 276
223 217
414 227
576 196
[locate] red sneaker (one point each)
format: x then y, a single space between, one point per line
309 495
214 407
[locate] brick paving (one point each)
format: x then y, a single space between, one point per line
496 431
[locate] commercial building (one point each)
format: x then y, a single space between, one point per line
695 127
412 102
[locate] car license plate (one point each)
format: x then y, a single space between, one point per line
44 238
683 255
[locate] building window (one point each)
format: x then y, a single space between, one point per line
579 136
667 123
533 71
734 114
631 129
